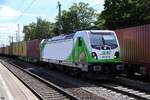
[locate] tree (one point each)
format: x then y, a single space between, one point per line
43 28
79 16
29 31
84 14
126 13
70 22
40 29
100 22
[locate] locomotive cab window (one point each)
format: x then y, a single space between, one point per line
100 40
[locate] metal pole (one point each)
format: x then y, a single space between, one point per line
18 32
59 17
10 39
16 37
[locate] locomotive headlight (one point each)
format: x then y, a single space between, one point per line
116 55
94 55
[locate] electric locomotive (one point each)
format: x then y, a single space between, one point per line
95 53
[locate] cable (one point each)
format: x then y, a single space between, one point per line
95 5
25 10
15 21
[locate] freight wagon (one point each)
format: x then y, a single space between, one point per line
15 49
135 48
6 50
1 50
10 49
22 49
33 49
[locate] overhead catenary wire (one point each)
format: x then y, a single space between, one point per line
26 9
96 6
21 15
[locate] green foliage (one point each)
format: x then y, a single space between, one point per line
99 23
40 29
116 14
79 16
30 31
126 13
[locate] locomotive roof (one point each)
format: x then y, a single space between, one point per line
97 31
70 36
61 37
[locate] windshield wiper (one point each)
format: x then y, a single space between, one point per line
103 40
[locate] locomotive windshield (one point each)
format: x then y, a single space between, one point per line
103 40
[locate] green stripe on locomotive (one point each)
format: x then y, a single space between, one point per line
82 54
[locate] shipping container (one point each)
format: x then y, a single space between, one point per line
135 47
3 50
10 49
6 50
0 50
22 46
33 50
15 49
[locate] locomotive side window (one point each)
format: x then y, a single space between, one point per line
79 41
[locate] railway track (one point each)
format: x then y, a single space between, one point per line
42 88
141 84
52 77
113 91
106 91
127 91
132 89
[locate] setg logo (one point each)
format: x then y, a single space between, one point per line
106 53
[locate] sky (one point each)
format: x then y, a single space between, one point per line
23 12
